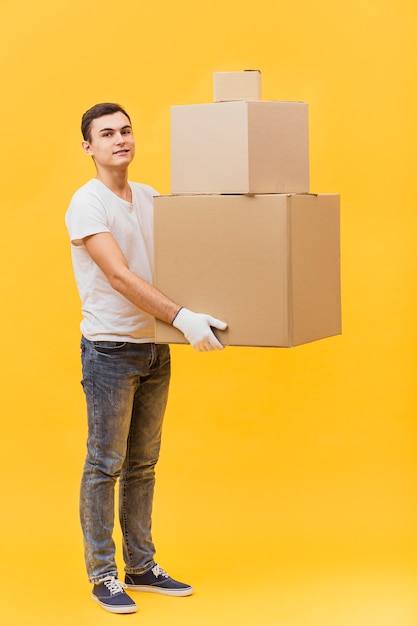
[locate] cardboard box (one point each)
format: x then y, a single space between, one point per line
245 85
269 265
240 147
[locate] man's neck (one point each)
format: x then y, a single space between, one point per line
117 182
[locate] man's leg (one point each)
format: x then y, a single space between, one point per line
109 382
137 480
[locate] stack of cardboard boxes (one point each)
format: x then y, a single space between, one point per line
241 237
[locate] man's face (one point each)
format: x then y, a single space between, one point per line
112 143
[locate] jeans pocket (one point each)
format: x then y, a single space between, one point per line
108 347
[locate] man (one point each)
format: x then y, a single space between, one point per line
125 374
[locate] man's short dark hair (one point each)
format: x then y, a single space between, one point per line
96 111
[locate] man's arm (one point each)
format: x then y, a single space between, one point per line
106 253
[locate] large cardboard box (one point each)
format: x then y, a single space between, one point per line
246 85
240 147
269 265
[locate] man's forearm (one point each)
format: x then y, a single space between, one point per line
107 254
144 295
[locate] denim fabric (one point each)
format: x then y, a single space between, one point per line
126 388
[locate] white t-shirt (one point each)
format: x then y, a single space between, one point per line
94 208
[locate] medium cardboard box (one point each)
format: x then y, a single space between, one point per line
268 265
246 85
240 147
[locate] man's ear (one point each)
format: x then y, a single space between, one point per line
87 147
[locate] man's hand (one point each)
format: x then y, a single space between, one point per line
196 328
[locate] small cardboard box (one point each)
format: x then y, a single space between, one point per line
246 85
240 147
268 265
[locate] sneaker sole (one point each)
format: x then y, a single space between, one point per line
132 608
166 592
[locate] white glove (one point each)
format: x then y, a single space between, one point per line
196 328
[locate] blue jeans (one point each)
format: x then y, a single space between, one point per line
126 388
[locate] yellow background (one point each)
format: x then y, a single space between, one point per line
287 485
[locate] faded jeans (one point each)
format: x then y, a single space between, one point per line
126 388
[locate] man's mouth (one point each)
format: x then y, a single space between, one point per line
125 151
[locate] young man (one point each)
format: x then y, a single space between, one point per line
125 375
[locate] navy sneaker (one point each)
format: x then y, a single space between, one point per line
158 581
110 594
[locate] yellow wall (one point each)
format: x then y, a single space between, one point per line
293 471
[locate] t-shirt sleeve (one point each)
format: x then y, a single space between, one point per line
86 216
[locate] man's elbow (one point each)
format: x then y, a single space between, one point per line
118 279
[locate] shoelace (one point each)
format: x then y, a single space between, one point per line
158 571
114 585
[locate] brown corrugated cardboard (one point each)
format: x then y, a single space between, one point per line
240 147
245 85
269 265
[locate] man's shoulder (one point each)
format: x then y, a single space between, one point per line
83 193
87 200
144 188
91 187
